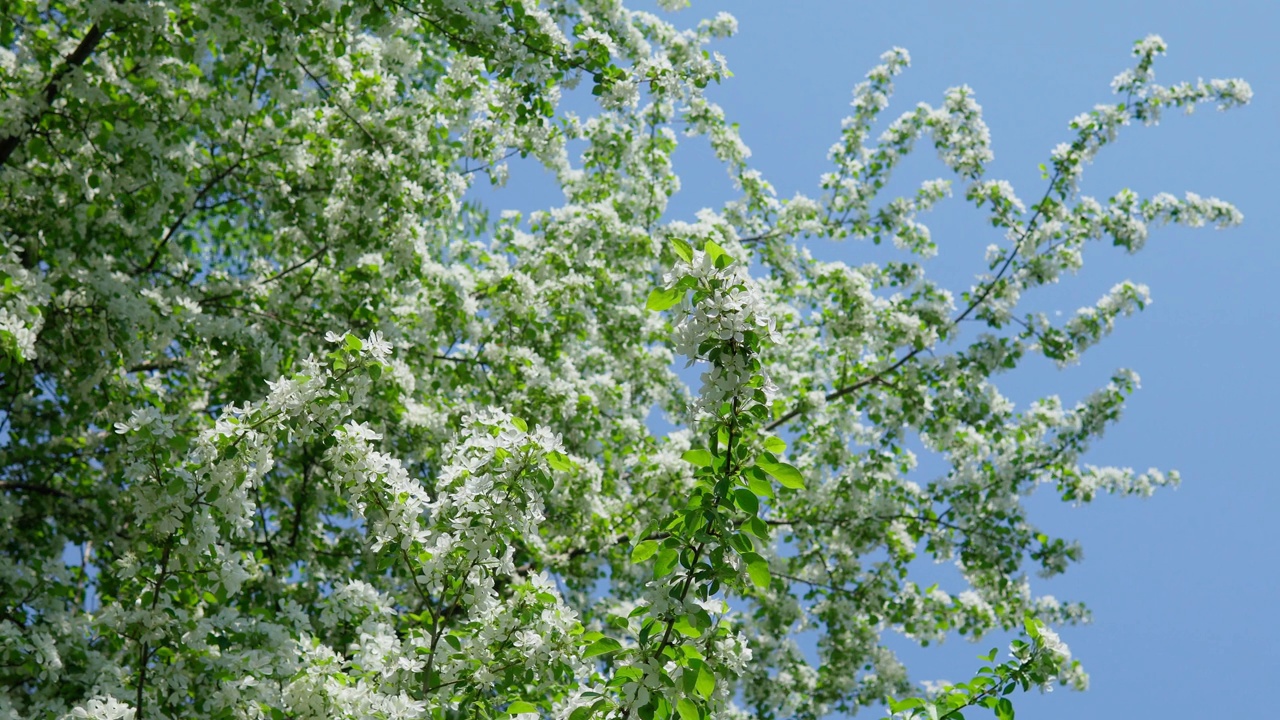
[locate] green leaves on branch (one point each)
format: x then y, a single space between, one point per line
663 299
600 645
786 475
682 249
1038 663
757 569
699 457
644 550
719 258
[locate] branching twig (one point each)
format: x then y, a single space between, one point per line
34 488
329 96
973 305
77 58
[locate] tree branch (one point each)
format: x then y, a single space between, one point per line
329 96
19 486
77 58
978 301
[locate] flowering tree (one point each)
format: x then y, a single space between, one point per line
291 429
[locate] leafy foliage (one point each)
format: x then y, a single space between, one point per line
292 429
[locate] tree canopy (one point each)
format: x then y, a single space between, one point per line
293 427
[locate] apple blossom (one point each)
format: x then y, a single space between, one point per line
294 428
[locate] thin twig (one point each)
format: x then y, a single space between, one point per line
982 297
329 96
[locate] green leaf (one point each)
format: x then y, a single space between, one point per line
1004 709
698 457
774 444
660 299
741 542
666 562
682 249
719 257
759 483
559 461
602 646
520 424
705 684
644 550
758 569
685 627
687 710
522 706
756 527
787 475
746 500
352 343
897 706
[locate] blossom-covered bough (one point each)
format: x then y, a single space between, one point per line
292 429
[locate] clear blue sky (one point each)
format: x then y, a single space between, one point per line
1184 585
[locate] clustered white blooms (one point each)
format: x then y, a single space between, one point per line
23 294
292 429
724 307
731 306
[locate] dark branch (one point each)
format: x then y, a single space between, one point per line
19 486
69 63
177 224
328 96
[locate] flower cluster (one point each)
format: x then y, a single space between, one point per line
723 320
22 294
292 429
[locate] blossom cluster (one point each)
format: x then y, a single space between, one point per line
22 294
724 320
293 427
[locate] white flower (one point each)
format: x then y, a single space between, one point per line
138 419
378 348
1150 45
102 708
1050 641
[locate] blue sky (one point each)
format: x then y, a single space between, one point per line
1182 585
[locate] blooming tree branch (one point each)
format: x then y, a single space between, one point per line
293 428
